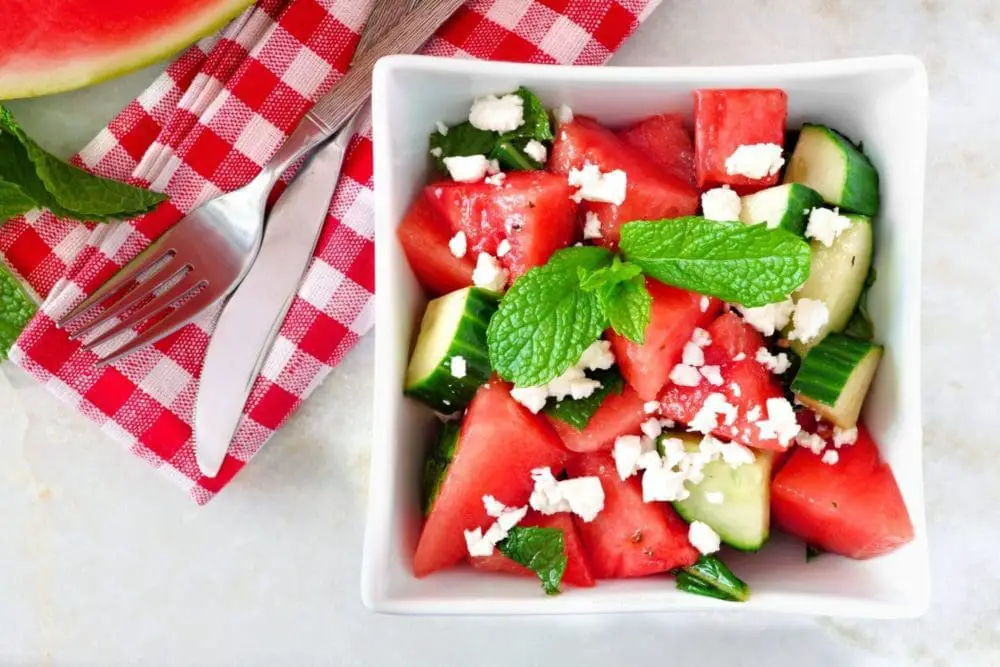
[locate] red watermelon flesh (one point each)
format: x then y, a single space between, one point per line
499 445
731 337
619 414
674 315
531 209
629 538
651 193
424 236
577 568
664 140
853 508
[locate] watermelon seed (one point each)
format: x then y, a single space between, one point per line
637 536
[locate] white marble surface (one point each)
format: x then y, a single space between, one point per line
104 563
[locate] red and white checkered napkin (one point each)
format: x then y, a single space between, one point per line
205 127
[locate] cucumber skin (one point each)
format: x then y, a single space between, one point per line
437 463
801 199
860 190
469 342
830 362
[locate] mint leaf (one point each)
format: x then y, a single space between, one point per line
511 156
713 573
691 584
16 309
536 119
745 264
619 271
438 461
545 321
541 550
627 305
462 139
66 190
14 201
578 412
860 325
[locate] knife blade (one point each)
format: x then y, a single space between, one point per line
252 317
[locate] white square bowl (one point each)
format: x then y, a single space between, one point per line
880 101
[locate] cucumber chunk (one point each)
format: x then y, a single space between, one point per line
786 206
438 461
837 276
743 518
835 376
830 164
453 332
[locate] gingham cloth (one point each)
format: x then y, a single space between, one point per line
206 126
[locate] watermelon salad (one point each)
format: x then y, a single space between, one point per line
646 345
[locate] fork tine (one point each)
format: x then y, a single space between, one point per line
144 261
136 295
158 304
180 317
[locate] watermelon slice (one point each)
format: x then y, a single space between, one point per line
664 141
577 568
618 415
531 209
853 508
59 45
651 193
673 317
424 237
499 445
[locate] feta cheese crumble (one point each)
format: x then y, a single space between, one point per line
574 382
739 357
597 186
497 114
651 428
753 414
755 161
458 367
651 407
683 375
700 337
707 418
703 538
703 304
776 363
826 225
809 317
458 245
536 151
496 179
692 355
466 168
503 248
714 497
563 114
830 457
584 496
481 544
770 318
494 507
736 389
814 443
780 423
626 452
592 226
844 436
721 204
442 129
713 374
488 273
436 151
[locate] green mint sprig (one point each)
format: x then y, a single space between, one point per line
32 178
710 577
541 550
577 412
16 309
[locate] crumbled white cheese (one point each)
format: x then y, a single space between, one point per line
700 337
496 179
584 496
626 452
736 389
533 398
442 129
480 544
826 225
776 363
563 114
494 507
809 317
466 168
596 186
536 151
493 167
458 245
706 419
598 356
704 304
830 457
844 436
753 414
755 161
770 318
651 407
814 443
692 355
651 428
660 483
703 538
458 367
667 423
739 357
735 455
436 151
713 374
503 248
683 375
780 422
714 497
488 273
497 114
573 383
721 204
476 545
592 226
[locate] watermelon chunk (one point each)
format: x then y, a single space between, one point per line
577 567
853 508
674 315
66 44
664 140
534 205
651 193
619 414
731 337
499 445
424 237
629 538
724 120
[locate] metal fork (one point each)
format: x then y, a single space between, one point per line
199 261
